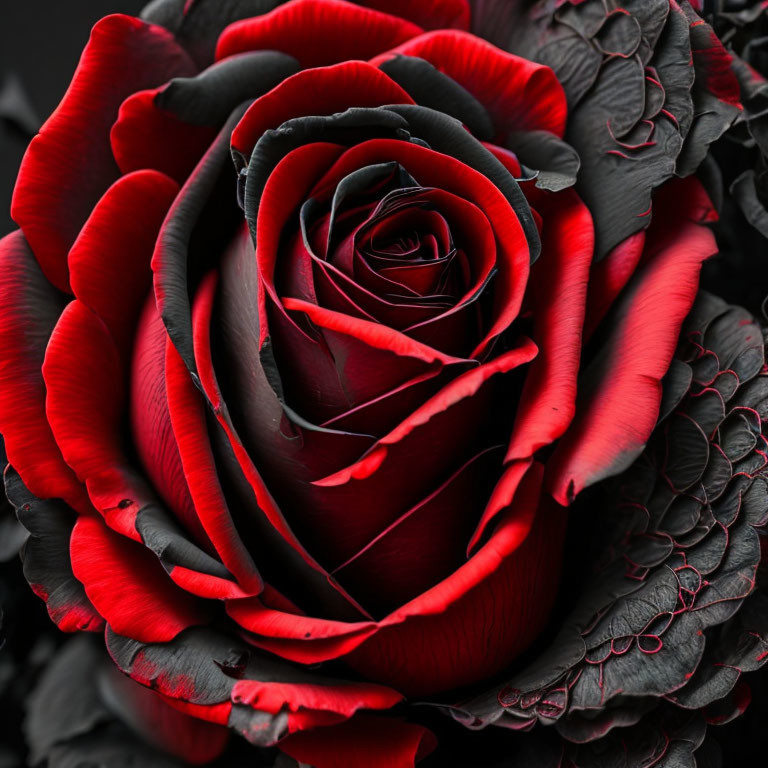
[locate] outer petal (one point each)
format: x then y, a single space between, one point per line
218 678
197 24
128 586
608 278
29 310
109 263
621 391
318 32
144 136
47 564
124 55
556 300
169 128
83 711
151 428
366 740
519 94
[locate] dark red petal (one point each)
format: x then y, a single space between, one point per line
426 544
187 413
428 14
372 334
366 740
417 649
462 388
267 510
556 300
72 151
621 390
127 585
147 137
151 423
109 263
437 437
29 310
519 94
317 32
322 91
502 496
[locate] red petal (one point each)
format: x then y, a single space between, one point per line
428 14
418 650
127 585
85 390
366 740
303 639
69 165
317 92
317 32
426 544
109 263
147 137
369 333
608 433
202 314
556 300
151 423
520 95
382 481
187 412
342 701
28 313
608 278
462 388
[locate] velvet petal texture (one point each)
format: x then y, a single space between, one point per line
123 56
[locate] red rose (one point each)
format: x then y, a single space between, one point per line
325 399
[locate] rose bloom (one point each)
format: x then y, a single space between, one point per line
290 342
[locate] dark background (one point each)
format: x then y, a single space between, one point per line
40 44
